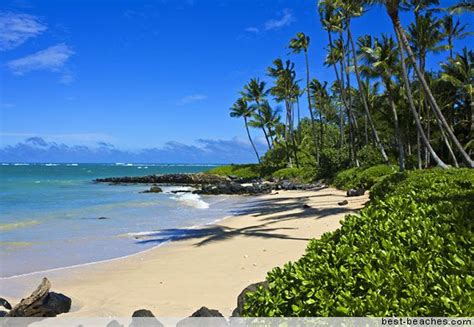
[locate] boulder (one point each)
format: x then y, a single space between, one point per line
114 323
355 192
241 298
153 189
306 206
343 203
170 179
4 303
144 318
201 318
205 312
42 303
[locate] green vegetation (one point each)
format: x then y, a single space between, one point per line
384 106
362 178
408 253
302 175
243 171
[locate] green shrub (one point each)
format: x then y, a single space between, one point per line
375 174
347 179
369 155
364 178
408 253
304 175
249 171
333 160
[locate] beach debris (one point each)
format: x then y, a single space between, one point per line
241 298
42 303
153 189
204 312
4 303
343 203
144 317
355 192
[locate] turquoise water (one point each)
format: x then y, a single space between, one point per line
48 216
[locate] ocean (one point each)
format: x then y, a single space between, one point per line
49 214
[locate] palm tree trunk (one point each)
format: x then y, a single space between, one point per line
263 127
364 100
411 106
398 134
250 139
404 41
343 100
310 108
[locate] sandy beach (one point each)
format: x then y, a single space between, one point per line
210 266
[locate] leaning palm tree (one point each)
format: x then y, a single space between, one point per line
393 8
269 119
241 109
298 44
255 91
462 6
354 9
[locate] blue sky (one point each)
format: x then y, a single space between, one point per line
141 74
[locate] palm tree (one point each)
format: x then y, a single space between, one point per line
298 44
392 7
458 73
255 91
351 9
241 109
453 30
286 90
461 6
321 100
270 118
382 58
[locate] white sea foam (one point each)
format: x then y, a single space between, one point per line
21 164
51 165
73 165
192 200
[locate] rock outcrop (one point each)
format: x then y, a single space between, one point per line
41 303
169 179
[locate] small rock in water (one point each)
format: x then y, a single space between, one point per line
343 203
306 206
102 218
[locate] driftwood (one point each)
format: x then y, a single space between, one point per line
41 303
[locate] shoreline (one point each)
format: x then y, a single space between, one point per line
208 266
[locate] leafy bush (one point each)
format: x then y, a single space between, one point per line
364 178
347 179
249 171
369 156
305 175
375 174
333 160
408 253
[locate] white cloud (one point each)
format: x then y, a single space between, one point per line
252 29
286 19
51 59
191 98
16 29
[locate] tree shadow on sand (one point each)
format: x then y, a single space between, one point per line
270 211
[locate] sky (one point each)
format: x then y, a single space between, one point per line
147 78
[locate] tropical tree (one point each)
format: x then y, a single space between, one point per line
393 8
301 44
452 30
241 109
255 91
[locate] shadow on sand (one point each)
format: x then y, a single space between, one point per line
270 210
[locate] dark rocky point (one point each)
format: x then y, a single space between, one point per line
169 179
4 303
41 303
